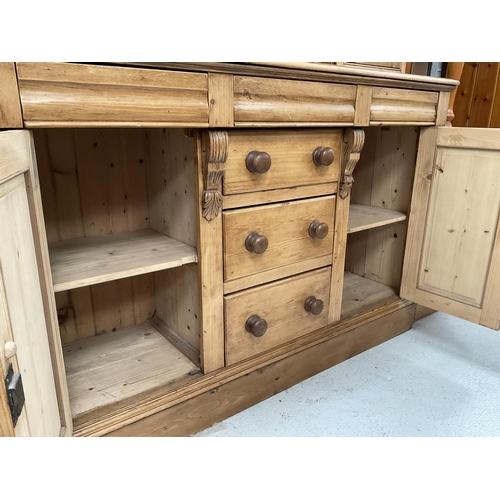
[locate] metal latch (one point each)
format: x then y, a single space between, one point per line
15 393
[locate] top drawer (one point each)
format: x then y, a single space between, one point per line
291 155
76 95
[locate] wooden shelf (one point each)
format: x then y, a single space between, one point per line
116 366
88 261
361 295
362 217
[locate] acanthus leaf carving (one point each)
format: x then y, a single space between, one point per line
216 150
354 138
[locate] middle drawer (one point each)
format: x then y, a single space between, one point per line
262 238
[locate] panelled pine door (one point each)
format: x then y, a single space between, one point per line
452 257
22 321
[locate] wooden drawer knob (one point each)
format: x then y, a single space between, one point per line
256 326
313 305
256 242
318 229
258 162
322 157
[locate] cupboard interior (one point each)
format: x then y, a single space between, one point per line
120 216
380 201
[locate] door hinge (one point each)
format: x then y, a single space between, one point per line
15 393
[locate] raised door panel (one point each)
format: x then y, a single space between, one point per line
22 318
452 260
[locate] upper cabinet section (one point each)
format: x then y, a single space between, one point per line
62 94
224 95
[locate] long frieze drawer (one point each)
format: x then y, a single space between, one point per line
63 94
260 160
269 315
262 238
272 101
398 105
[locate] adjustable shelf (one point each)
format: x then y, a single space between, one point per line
362 217
88 261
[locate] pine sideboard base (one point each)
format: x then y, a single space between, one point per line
223 401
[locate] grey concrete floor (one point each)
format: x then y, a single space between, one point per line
439 379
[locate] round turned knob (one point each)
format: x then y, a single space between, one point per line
313 305
256 242
256 326
258 162
322 157
318 229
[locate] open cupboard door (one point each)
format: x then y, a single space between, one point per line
452 257
28 399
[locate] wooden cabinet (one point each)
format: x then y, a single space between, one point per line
201 230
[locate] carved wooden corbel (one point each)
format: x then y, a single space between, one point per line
354 138
215 145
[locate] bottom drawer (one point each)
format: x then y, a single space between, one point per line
269 315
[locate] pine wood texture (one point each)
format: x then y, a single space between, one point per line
229 395
19 274
63 94
291 153
49 301
455 212
10 105
88 261
310 71
210 274
277 195
261 100
360 295
286 227
352 144
111 183
6 423
381 66
363 105
220 100
477 101
14 154
277 273
119 365
363 217
422 312
281 305
484 95
403 106
443 108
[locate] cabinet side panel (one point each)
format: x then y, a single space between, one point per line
172 211
171 184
